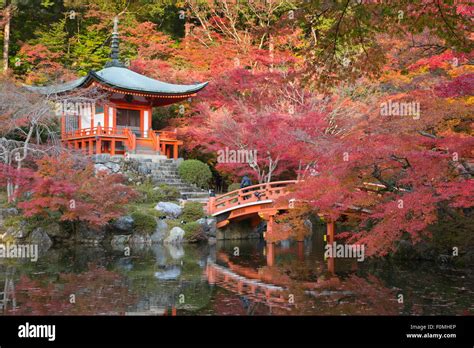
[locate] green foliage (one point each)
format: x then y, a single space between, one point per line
234 186
166 193
152 194
193 232
13 221
195 172
3 198
453 229
54 37
192 211
164 13
145 208
143 223
88 51
173 223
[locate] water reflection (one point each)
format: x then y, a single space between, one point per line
229 278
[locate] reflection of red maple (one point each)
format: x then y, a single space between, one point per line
96 291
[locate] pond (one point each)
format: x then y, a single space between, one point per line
233 277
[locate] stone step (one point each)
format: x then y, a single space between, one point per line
164 176
179 186
167 180
202 200
158 170
164 171
196 193
152 157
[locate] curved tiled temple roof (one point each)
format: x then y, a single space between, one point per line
123 79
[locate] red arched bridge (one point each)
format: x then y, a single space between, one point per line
257 202
262 202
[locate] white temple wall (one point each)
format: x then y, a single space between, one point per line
99 118
86 114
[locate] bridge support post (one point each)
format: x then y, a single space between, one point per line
210 205
330 226
270 254
269 231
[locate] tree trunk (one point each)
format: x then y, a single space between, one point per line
6 34
271 48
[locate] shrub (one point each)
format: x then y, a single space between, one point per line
195 172
151 194
193 232
166 193
192 211
143 223
234 186
173 223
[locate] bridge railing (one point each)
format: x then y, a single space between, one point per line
249 194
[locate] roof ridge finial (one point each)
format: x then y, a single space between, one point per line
114 46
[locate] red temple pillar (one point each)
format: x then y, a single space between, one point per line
175 151
112 147
98 146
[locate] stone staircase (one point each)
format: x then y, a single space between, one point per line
165 171
140 149
159 168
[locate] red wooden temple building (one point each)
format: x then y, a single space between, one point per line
123 122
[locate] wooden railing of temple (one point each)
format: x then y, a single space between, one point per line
155 139
93 131
165 141
251 194
168 135
114 131
131 139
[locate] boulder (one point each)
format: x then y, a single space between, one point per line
171 210
85 233
208 226
54 230
101 167
123 224
114 167
116 159
6 212
160 231
19 232
175 236
40 238
144 170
